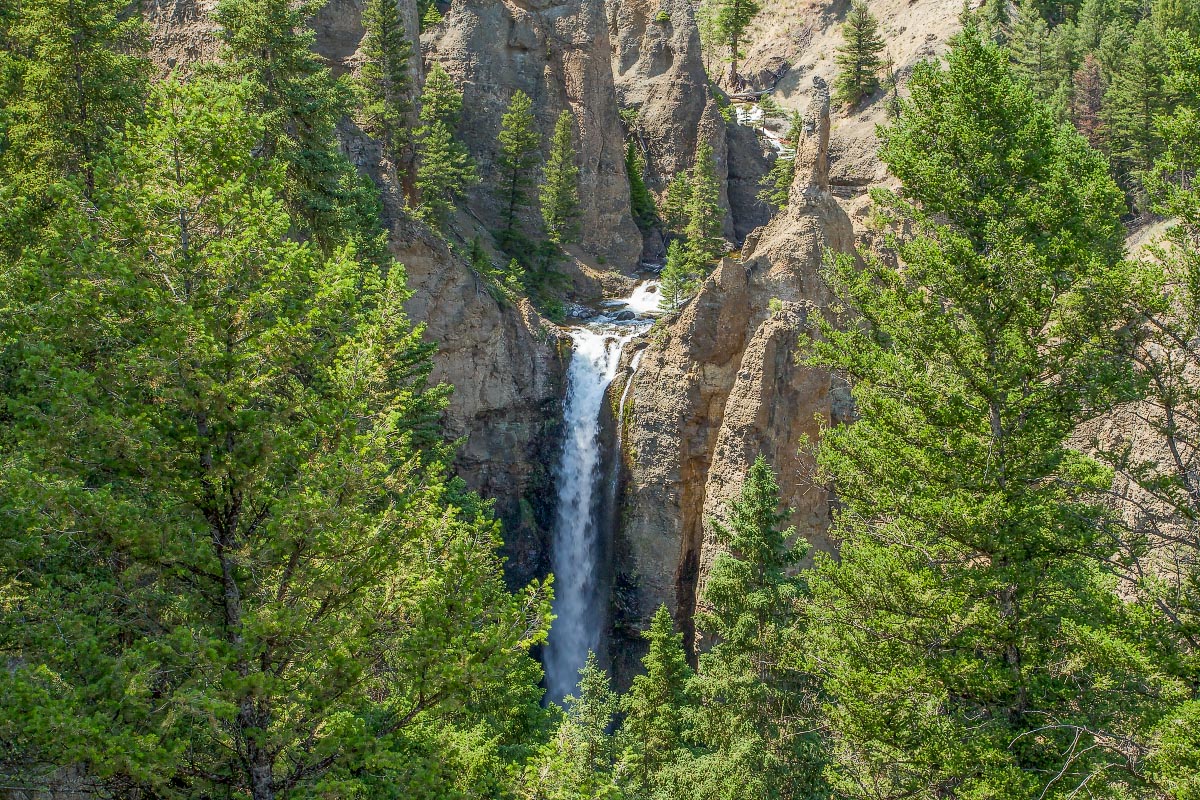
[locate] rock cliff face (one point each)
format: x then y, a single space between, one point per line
557 52
506 366
659 71
717 386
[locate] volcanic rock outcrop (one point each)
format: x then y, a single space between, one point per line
717 386
557 52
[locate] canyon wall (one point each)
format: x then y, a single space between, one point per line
718 384
557 52
659 73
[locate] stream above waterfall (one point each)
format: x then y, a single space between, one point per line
580 537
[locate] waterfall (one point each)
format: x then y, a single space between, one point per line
577 546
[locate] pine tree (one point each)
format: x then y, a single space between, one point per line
756 705
1180 15
280 590
1132 102
268 45
1087 97
858 58
678 279
444 167
444 171
994 19
441 100
75 72
675 205
1166 517
968 529
384 81
655 707
1030 45
641 203
430 15
560 184
578 761
730 19
518 158
1093 20
705 218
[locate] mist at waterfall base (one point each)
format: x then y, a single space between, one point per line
577 544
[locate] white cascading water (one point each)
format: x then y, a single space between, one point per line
576 547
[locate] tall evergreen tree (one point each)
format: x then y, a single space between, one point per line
1160 546
520 145
675 203
858 57
965 627
444 167
655 708
75 72
705 219
268 44
730 19
278 592
994 19
444 171
384 80
679 278
1032 53
441 100
560 184
1132 102
756 705
578 761
641 203
429 14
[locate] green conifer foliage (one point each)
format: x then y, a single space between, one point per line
384 80
519 156
678 280
705 218
560 184
444 167
441 100
1032 53
963 629
1134 99
1180 15
444 171
994 19
430 15
268 44
756 706
655 708
641 203
279 592
675 205
729 21
578 761
1170 522
858 58
74 72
